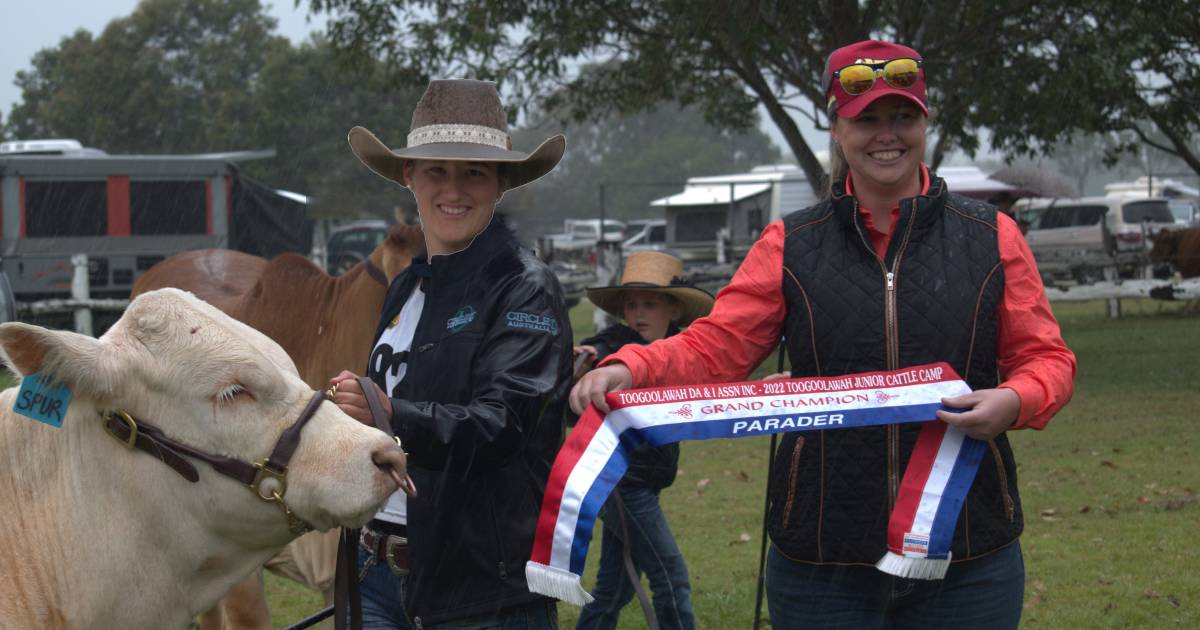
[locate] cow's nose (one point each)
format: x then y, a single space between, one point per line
393 461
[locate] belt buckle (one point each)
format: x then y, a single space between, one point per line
390 546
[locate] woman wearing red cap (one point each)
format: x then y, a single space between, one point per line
892 270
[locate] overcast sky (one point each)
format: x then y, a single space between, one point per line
27 26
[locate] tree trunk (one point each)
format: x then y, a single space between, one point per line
1179 142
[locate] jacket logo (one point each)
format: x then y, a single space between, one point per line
532 321
464 316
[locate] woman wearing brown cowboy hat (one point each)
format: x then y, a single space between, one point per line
472 359
654 302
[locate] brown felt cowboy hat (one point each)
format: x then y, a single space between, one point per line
461 120
658 272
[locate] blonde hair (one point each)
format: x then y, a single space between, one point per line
838 167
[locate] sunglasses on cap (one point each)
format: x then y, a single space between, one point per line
858 78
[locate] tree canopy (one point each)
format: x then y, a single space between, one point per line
1124 69
188 76
613 152
990 62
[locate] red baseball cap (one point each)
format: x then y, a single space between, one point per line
870 52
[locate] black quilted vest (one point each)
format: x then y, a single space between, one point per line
832 491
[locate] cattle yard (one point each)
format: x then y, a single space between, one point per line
1109 490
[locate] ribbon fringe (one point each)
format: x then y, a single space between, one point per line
914 568
556 583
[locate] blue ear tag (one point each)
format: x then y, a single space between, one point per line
38 400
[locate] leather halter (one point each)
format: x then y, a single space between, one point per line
375 272
134 433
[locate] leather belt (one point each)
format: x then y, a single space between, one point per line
388 547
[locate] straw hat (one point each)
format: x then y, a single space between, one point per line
653 271
462 120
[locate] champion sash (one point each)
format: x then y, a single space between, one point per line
596 454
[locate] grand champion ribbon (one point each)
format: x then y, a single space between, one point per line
594 458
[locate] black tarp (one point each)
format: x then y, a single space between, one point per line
266 223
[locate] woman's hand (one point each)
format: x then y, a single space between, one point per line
595 384
776 376
986 413
349 397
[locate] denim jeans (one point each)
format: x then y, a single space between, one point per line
382 596
654 552
984 593
383 607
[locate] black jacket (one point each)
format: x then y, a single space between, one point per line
649 466
479 412
933 297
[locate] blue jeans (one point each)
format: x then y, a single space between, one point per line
382 596
383 607
984 593
654 553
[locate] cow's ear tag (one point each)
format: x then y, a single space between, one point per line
37 399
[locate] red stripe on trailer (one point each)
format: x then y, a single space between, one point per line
118 206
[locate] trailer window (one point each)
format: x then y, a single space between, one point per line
158 208
1152 211
66 208
1068 216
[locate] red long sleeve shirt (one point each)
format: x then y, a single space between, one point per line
747 320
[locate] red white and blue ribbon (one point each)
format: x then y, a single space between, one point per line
596 455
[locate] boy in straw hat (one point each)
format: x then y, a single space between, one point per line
471 362
653 301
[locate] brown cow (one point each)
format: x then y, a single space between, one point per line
325 324
1179 247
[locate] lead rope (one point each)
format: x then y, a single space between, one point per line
346 596
762 550
630 569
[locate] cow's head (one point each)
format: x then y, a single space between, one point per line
219 386
1166 245
396 252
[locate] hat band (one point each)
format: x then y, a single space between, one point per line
474 134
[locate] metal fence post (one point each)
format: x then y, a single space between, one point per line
81 291
1114 304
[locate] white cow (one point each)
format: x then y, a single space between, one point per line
96 535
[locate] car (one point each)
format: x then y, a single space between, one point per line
645 235
1079 238
350 244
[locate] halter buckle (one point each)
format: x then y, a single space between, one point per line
264 473
129 442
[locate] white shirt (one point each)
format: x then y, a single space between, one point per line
390 358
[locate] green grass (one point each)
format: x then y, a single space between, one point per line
1109 490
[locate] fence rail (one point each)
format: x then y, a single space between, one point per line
710 277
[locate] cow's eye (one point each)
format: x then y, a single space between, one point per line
233 392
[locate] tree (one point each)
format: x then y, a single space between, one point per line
306 99
186 76
1127 69
174 76
613 152
724 56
